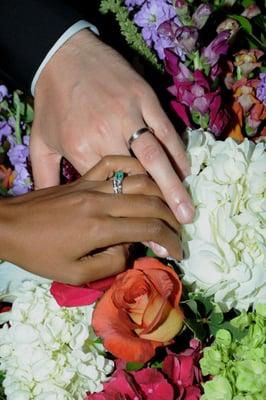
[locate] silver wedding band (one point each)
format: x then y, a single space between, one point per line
138 133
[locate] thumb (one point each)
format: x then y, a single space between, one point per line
45 165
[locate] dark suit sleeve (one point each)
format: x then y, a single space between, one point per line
28 30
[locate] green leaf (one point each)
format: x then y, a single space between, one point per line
29 114
216 318
157 364
206 301
192 304
197 327
247 3
150 253
244 22
134 366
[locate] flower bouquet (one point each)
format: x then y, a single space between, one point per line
162 330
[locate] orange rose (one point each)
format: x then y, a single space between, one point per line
140 312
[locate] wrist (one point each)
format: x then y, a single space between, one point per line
67 55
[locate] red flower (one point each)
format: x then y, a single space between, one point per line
77 296
184 372
146 384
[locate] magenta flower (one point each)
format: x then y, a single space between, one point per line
183 371
194 99
219 116
194 94
148 384
175 67
219 46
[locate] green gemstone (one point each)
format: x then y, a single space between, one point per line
119 175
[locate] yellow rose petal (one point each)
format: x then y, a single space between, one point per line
165 332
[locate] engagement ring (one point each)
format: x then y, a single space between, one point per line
117 182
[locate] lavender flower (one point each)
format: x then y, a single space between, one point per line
201 15
151 15
3 92
216 48
5 129
22 182
261 89
133 3
18 154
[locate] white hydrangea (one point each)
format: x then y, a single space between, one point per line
48 352
225 246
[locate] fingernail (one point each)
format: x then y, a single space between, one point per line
185 212
160 251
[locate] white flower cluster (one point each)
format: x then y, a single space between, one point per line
48 352
226 244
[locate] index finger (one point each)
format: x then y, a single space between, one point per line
154 159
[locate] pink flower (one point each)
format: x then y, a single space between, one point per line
148 384
183 371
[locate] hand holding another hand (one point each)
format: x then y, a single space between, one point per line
76 233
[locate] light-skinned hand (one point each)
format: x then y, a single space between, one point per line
79 232
88 102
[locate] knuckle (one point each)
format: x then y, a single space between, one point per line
102 128
150 153
165 131
172 192
157 227
107 161
143 182
143 89
156 203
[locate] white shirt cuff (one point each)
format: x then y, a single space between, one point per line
72 30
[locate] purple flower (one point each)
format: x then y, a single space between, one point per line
18 154
201 15
3 92
5 129
22 182
151 15
176 68
216 48
167 31
134 3
26 140
261 89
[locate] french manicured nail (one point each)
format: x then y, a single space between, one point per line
160 251
184 213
